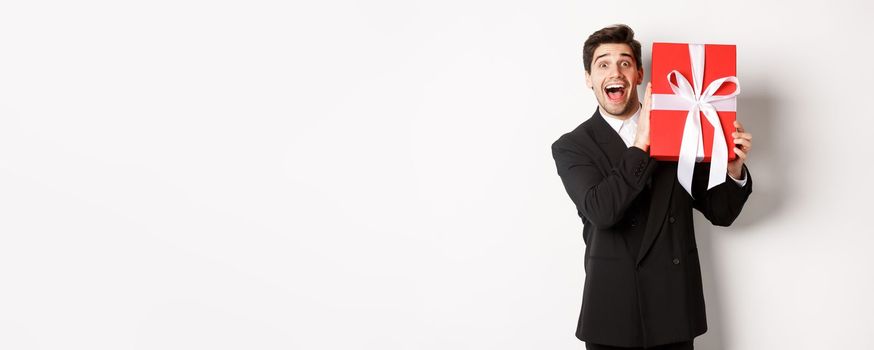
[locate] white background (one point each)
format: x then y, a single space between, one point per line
377 174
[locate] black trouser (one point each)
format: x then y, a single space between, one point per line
686 345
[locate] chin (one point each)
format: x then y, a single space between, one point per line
615 109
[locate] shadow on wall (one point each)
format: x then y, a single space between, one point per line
757 111
768 166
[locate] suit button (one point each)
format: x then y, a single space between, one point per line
676 261
672 220
633 222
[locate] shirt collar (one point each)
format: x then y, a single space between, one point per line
617 123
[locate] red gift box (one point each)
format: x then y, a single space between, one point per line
667 125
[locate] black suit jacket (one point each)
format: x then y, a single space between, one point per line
643 278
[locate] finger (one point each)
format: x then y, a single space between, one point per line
738 126
745 144
743 135
740 154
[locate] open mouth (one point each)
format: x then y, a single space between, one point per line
615 92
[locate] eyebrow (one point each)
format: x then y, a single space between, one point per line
605 54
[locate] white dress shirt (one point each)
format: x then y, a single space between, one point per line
627 130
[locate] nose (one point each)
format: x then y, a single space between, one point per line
614 71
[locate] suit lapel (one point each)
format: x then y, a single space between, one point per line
662 182
662 188
610 141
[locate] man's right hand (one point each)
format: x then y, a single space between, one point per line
641 140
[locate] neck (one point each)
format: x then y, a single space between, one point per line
623 116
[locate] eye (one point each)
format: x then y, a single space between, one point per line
626 64
602 65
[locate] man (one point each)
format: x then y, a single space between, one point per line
643 278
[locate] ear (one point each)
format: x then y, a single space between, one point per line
588 80
639 76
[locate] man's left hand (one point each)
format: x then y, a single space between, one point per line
743 142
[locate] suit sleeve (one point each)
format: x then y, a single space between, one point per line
722 203
602 200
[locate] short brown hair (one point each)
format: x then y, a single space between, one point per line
615 34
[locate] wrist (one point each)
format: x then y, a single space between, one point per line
642 145
736 174
641 142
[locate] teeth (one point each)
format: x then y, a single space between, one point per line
614 86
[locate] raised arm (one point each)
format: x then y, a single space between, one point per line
601 199
723 203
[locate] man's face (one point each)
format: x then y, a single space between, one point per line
614 78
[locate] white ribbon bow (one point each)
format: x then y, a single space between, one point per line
687 97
